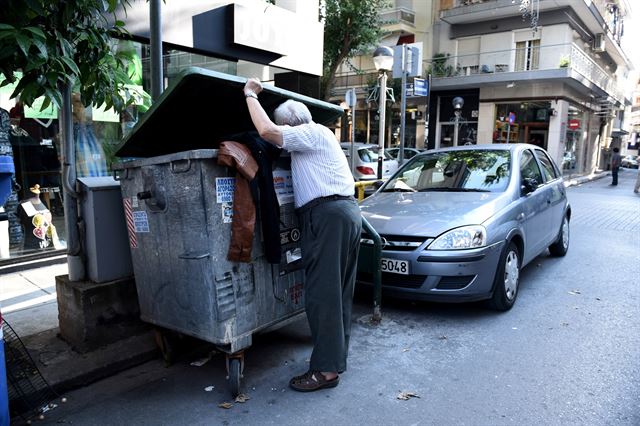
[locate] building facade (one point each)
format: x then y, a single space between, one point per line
547 72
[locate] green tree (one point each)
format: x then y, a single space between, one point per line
52 43
350 26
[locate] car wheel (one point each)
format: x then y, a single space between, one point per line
560 247
505 285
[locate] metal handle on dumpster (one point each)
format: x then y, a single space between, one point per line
117 174
194 256
175 169
377 274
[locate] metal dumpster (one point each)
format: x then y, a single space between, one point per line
178 209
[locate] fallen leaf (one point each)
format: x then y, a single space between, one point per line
225 405
405 350
575 292
209 388
242 398
406 395
565 324
597 298
443 337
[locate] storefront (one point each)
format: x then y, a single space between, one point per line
35 207
453 126
522 122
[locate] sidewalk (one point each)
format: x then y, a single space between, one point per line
28 301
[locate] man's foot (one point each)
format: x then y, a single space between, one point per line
313 381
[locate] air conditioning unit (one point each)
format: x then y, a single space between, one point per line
598 43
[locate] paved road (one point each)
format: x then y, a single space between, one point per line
568 352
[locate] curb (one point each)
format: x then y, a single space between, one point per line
582 179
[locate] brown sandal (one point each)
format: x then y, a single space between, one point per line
312 381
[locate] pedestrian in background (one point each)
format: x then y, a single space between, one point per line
616 158
323 189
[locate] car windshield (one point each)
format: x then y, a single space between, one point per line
455 171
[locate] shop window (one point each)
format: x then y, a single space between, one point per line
527 55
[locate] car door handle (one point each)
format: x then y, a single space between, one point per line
520 217
548 200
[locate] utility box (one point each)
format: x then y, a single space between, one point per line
106 239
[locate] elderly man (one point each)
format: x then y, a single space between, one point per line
323 190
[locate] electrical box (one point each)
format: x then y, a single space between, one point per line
106 239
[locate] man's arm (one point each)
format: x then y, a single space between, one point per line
266 128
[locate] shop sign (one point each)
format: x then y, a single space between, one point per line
574 124
512 118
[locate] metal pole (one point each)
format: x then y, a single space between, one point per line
155 18
352 150
403 103
426 121
455 128
74 247
508 131
383 108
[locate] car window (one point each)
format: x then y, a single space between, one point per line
455 171
529 167
547 165
369 155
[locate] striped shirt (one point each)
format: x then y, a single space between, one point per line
319 168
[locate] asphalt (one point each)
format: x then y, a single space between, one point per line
28 301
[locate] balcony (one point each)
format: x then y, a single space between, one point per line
534 64
399 15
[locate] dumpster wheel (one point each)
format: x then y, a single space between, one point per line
235 368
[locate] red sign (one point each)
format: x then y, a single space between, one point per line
574 124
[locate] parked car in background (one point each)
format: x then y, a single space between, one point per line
408 152
458 224
366 161
630 161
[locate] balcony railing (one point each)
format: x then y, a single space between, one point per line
398 16
532 58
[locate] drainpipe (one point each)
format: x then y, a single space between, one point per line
155 39
74 248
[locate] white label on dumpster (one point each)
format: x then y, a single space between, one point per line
227 212
140 221
283 186
224 189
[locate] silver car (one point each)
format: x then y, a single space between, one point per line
366 161
458 224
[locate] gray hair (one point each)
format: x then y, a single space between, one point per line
292 113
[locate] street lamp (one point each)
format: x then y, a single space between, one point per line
383 61
457 103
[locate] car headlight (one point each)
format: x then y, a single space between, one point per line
466 237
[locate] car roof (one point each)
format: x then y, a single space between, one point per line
487 147
358 145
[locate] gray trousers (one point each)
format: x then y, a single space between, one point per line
330 243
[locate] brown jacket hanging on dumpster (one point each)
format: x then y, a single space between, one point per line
234 154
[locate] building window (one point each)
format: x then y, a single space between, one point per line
527 55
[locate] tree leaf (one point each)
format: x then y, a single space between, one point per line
24 42
37 32
6 27
71 64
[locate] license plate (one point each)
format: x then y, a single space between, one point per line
395 266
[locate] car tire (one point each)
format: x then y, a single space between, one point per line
507 280
560 247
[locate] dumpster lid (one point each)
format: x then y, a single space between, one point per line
203 107
98 183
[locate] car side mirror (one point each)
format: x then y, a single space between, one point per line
528 185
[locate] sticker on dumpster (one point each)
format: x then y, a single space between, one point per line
283 186
131 228
227 212
289 236
140 221
224 189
